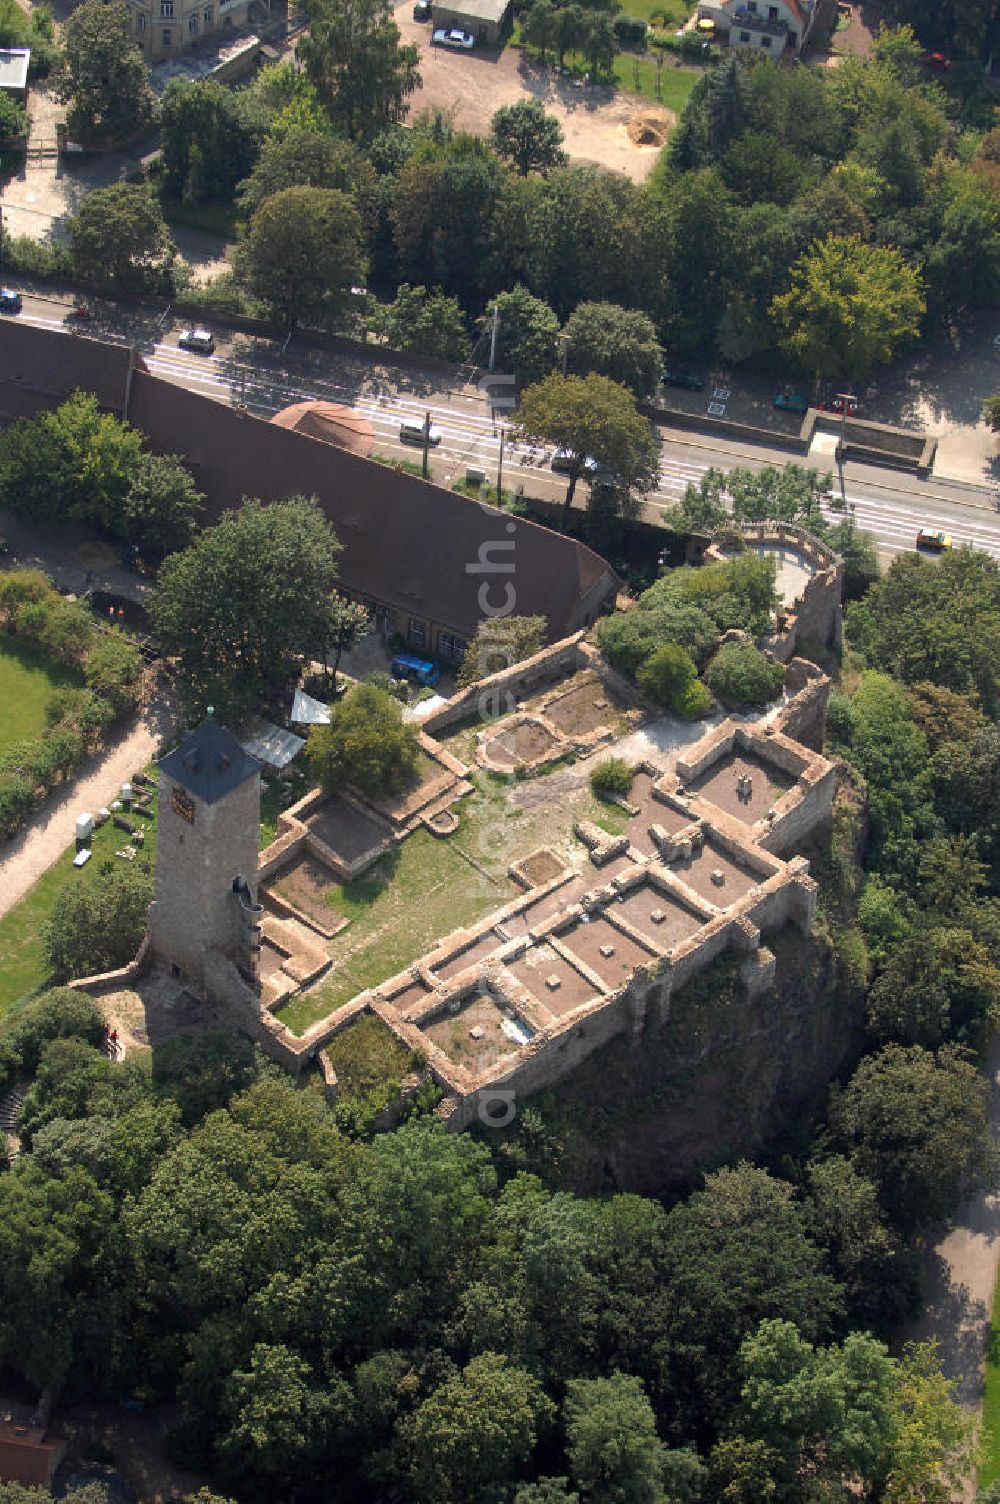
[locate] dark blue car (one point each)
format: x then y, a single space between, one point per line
10 301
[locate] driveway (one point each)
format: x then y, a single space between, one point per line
473 85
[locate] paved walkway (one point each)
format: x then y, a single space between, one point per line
33 852
960 1273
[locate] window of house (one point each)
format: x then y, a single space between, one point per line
140 22
418 633
208 15
752 5
166 36
193 22
452 648
166 8
744 36
772 13
765 41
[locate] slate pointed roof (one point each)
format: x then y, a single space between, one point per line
209 762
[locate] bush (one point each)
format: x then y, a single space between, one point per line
32 258
630 31
740 674
57 1014
366 744
612 776
13 120
693 702
97 925
17 795
667 675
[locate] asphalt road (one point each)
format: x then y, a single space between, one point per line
892 505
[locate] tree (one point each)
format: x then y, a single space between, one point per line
544 1491
500 642
619 343
538 26
97 925
525 136
73 463
740 674
477 1429
59 1013
162 505
13 119
105 80
991 412
245 602
423 323
599 43
212 137
118 236
669 677
347 622
736 1252
569 30
443 204
590 416
302 253
939 981
353 56
310 157
366 744
849 308
614 1452
844 1216
280 1420
72 1079
527 334
915 1123
113 670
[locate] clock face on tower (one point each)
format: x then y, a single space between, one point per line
183 805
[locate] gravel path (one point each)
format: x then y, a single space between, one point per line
46 838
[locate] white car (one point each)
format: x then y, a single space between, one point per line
564 458
411 431
453 38
197 339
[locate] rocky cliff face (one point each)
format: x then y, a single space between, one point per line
724 1077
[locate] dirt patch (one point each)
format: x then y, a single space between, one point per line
520 744
657 916
474 1036
650 128
470 956
307 884
551 980
585 706
701 870
613 955
157 1008
346 830
723 785
539 868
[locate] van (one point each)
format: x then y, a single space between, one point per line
419 670
411 431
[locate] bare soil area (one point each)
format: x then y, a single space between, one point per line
595 118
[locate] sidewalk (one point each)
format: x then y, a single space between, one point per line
33 852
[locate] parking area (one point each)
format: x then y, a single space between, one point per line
473 85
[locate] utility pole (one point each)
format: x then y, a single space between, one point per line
563 351
500 469
847 400
493 336
427 439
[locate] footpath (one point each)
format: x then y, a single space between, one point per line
960 1274
33 852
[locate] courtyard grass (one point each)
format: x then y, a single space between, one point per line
640 75
429 886
366 1055
27 679
22 969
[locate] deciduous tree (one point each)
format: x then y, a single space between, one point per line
105 79
366 744
362 73
302 253
524 135
619 343
118 237
98 924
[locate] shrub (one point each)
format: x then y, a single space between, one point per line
693 702
57 1014
740 674
98 925
612 776
17 795
666 675
366 744
630 31
13 120
112 671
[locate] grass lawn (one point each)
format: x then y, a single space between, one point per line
638 75
21 968
27 679
673 12
366 1055
989 1439
427 886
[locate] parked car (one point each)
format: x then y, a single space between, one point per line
791 402
837 405
453 38
935 538
10 301
563 459
936 62
197 339
691 381
422 10
411 431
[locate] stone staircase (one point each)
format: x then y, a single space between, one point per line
10 1110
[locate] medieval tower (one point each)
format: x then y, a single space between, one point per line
206 919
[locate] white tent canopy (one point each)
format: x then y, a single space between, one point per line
308 711
270 745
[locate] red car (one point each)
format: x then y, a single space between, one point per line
936 62
837 406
